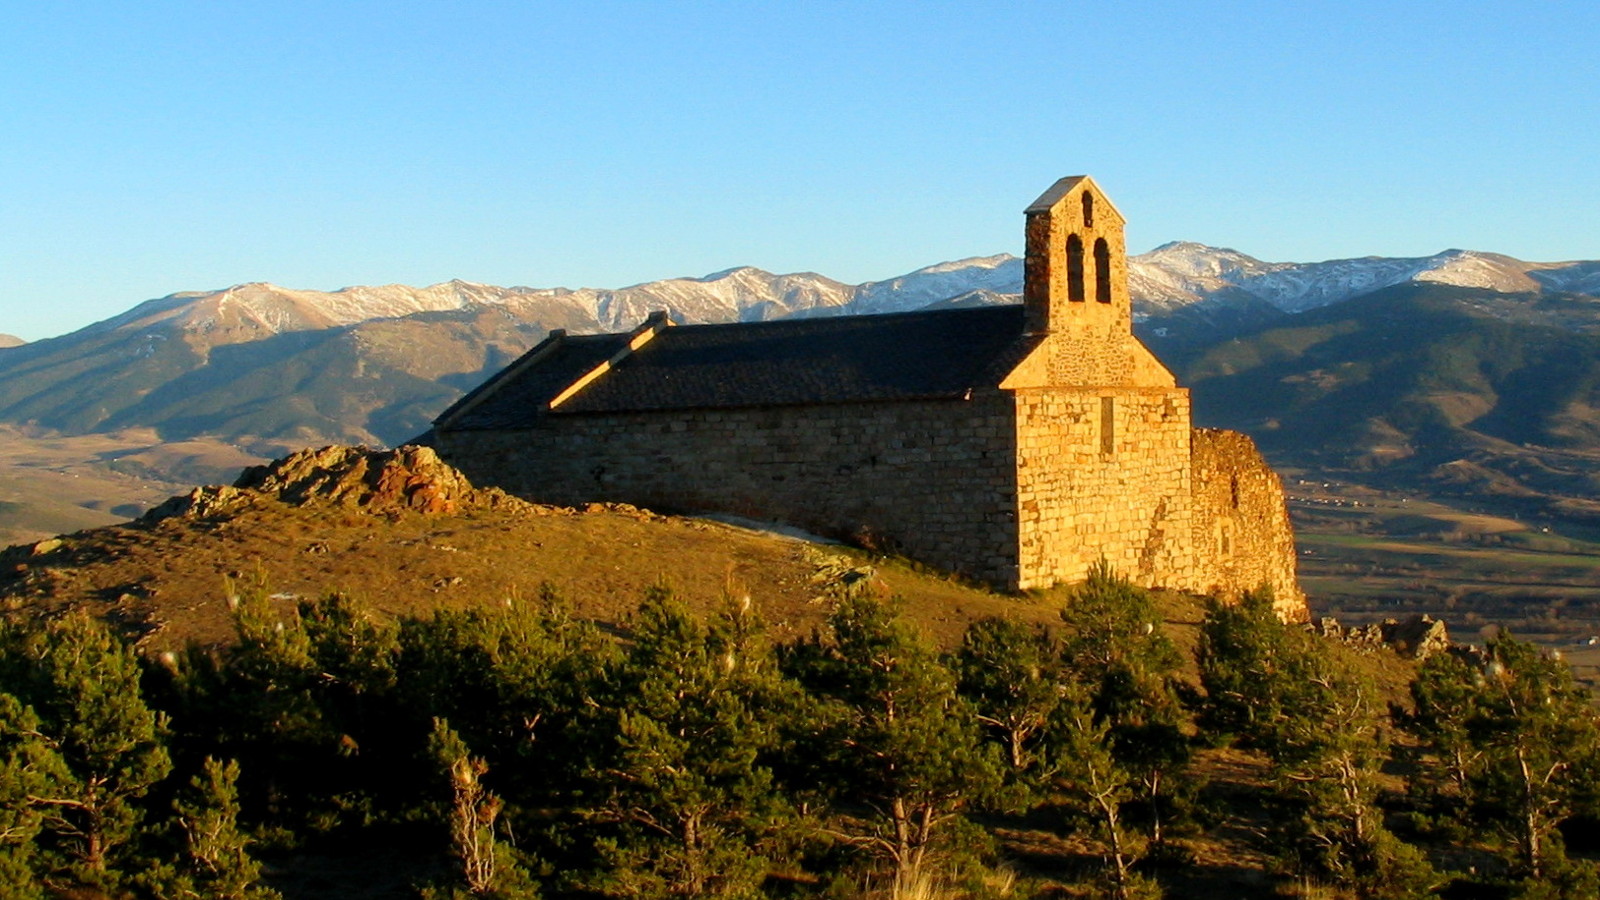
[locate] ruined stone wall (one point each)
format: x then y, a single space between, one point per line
1242 536
932 480
1104 472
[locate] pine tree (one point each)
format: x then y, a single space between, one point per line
486 865
1117 651
686 785
1521 740
306 701
1246 658
216 862
83 685
1326 756
522 684
1444 697
1114 635
1096 785
1012 675
29 769
898 749
1284 691
257 702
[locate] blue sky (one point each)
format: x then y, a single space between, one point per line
153 147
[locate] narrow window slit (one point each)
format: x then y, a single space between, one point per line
1075 268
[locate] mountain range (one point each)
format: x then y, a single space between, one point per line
1403 365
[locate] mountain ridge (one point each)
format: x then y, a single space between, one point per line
1173 275
270 369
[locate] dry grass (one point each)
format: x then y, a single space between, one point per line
168 579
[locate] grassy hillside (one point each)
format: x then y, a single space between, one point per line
169 579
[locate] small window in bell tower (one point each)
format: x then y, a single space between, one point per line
1088 210
1075 268
1102 270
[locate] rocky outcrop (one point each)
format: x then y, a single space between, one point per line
1418 637
406 479
200 503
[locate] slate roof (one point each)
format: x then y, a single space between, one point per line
841 359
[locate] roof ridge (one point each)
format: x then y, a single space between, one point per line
862 319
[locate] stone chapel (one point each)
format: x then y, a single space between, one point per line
1011 444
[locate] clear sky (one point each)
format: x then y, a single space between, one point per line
153 147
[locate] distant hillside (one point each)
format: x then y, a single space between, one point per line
1443 387
220 368
53 484
10 340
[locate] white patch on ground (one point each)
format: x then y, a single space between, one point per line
775 529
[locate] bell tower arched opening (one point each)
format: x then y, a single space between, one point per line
1075 291
1102 270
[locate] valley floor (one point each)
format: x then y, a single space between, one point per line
1367 555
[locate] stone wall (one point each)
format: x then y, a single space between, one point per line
1242 537
932 480
1098 472
1103 472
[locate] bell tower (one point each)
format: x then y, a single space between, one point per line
1075 273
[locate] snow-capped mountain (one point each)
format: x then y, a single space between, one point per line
253 311
373 363
997 275
269 368
741 294
1171 277
1571 277
1181 273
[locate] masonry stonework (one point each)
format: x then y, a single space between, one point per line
1242 536
1013 446
931 480
1102 474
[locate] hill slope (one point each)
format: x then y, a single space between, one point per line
407 535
